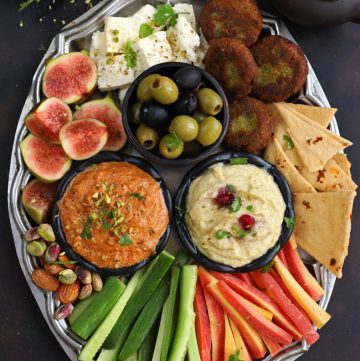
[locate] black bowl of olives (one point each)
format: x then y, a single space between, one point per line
175 114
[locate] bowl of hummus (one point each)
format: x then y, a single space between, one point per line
233 212
111 214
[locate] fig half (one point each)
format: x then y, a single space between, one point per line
107 112
72 77
37 198
47 118
82 139
47 161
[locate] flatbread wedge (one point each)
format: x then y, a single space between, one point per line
274 154
320 115
322 226
343 162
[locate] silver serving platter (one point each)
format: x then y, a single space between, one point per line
76 36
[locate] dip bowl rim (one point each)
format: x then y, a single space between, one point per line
149 154
83 165
180 210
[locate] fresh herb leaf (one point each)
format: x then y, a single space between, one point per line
290 222
111 214
145 30
173 141
64 262
235 205
136 195
86 232
268 267
230 188
239 160
125 240
165 15
235 356
250 208
240 232
221 234
105 225
289 141
130 55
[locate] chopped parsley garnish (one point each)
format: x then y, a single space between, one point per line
250 208
136 195
86 232
240 232
111 214
289 141
239 160
173 142
64 262
230 188
125 240
130 55
165 15
235 205
268 267
290 222
221 234
145 30
234 356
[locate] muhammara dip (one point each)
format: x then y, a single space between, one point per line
234 213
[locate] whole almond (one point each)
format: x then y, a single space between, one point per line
69 293
53 269
45 280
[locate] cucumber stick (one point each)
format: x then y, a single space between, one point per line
146 320
149 283
166 328
78 309
147 347
193 349
188 277
98 308
90 349
108 355
133 357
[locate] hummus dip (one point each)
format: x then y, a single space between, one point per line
113 214
224 233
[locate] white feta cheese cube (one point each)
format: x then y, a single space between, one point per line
145 14
184 39
153 50
122 93
201 51
186 10
97 47
113 73
118 31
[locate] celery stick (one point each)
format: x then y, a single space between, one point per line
193 349
92 346
188 277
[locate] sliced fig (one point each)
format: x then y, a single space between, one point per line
47 161
107 112
82 139
37 198
47 118
72 77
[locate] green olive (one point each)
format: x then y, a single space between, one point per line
192 148
143 91
164 90
171 146
198 116
209 131
210 102
147 136
185 127
134 114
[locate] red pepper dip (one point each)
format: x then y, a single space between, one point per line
113 214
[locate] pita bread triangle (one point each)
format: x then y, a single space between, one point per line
330 179
343 162
322 226
274 154
314 144
319 115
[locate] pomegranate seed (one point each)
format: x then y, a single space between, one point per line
247 222
224 197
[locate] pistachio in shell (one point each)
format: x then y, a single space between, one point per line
85 292
35 248
31 234
46 232
97 282
52 253
63 311
83 275
67 276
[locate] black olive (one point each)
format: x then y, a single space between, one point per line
187 78
185 105
153 114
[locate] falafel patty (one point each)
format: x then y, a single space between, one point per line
238 19
232 65
250 125
283 68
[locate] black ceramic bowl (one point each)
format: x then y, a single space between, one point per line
60 235
180 207
154 155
